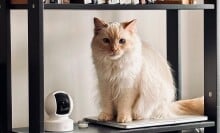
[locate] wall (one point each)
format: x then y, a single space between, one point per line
67 54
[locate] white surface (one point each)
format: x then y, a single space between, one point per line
149 123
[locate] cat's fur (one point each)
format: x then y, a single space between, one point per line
135 81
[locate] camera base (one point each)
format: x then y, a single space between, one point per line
58 125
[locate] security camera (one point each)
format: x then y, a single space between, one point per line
58 106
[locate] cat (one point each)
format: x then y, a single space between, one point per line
135 82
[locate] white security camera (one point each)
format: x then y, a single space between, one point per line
58 106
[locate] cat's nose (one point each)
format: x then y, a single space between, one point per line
115 49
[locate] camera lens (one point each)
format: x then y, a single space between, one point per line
63 103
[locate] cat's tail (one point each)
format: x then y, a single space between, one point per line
189 107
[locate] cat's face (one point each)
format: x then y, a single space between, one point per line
113 40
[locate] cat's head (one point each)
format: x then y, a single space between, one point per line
113 40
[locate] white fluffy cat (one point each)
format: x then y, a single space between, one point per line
135 81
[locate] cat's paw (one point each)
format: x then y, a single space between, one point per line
105 116
137 113
124 118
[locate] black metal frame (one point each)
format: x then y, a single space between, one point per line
211 59
128 7
36 67
173 47
5 68
120 7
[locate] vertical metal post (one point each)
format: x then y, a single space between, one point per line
172 46
35 66
5 68
211 71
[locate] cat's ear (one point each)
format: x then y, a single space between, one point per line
99 24
130 26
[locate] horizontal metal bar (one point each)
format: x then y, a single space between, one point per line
121 7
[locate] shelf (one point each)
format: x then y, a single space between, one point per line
103 129
122 7
35 38
18 6
128 7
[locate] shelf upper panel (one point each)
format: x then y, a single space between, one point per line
122 7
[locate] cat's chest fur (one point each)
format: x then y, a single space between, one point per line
121 73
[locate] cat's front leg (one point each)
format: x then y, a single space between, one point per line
124 107
107 113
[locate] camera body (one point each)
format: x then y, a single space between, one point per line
58 106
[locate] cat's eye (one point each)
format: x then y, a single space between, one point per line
106 40
122 41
